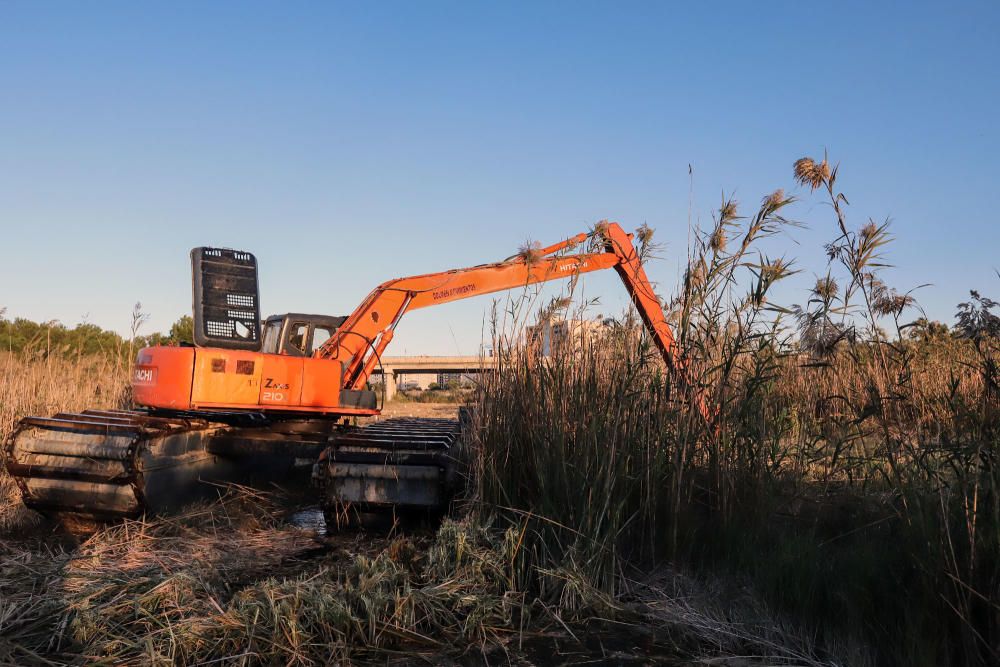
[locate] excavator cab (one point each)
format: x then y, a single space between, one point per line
227 309
298 334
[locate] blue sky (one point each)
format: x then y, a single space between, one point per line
345 144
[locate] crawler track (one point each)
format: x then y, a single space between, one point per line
105 464
101 465
401 463
96 466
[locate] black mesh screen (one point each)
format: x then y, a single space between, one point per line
226 300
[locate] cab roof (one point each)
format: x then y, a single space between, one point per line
333 321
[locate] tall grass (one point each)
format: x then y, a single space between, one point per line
39 384
848 468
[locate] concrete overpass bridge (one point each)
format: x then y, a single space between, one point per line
395 367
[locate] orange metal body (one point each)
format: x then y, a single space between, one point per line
212 379
180 378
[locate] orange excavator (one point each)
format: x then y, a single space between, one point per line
253 401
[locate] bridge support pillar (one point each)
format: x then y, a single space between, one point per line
389 380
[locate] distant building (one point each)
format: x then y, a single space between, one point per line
552 334
460 379
416 381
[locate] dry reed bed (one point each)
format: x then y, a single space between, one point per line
233 581
876 531
36 383
847 466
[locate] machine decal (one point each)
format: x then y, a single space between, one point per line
575 266
453 291
269 383
144 375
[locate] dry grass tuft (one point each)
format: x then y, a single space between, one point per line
812 173
717 241
132 591
644 234
728 212
530 252
776 199
15 518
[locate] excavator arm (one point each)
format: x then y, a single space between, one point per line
360 341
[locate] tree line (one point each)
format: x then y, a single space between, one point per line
22 335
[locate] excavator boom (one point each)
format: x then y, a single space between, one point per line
360 341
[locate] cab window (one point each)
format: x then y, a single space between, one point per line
295 344
272 334
320 336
